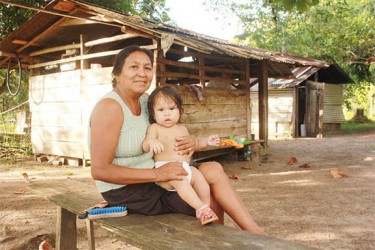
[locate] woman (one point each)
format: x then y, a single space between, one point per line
124 174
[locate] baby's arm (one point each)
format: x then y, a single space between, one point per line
213 140
151 143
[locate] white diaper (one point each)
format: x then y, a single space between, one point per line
185 165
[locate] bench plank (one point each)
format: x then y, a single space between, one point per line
211 151
169 231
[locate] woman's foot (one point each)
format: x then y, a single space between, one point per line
206 215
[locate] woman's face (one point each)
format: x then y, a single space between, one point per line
136 73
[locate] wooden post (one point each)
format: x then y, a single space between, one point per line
295 111
155 79
320 92
90 234
248 101
83 49
161 66
66 230
263 103
202 71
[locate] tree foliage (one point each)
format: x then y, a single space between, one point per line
150 9
342 30
13 17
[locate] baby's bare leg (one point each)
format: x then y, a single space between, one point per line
200 185
185 191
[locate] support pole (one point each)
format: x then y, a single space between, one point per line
263 104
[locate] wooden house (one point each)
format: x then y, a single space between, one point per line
308 105
68 46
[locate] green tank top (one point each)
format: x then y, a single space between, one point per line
129 152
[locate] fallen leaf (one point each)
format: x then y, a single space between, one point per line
26 177
292 161
45 246
247 166
336 173
234 177
19 192
305 165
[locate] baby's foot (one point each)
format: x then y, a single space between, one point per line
206 215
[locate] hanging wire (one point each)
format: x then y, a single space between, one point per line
11 74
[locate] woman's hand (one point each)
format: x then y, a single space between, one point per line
185 145
170 171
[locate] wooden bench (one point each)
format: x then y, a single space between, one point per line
170 231
212 151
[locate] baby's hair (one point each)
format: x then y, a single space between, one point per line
167 92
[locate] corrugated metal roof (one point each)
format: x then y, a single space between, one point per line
41 22
333 74
301 74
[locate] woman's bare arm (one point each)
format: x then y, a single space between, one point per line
106 122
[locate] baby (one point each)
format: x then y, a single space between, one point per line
165 109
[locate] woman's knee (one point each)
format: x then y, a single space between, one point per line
212 171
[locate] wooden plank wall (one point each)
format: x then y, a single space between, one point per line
221 112
60 106
280 113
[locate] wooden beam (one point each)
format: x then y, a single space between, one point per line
207 56
78 46
296 111
155 78
263 102
169 74
202 72
131 30
74 22
66 229
83 57
84 64
178 64
161 66
17 41
196 67
248 101
54 49
7 54
109 39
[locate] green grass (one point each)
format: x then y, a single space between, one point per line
353 127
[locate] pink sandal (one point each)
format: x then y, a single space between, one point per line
206 215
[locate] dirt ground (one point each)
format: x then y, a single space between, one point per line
304 205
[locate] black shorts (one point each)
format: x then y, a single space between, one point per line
148 199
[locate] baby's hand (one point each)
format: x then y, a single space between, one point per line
156 147
213 140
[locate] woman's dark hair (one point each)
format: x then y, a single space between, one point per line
122 55
167 92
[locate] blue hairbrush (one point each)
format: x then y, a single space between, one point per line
106 212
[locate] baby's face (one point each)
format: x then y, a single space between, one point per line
166 112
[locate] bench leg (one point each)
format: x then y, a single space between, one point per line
90 234
66 230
